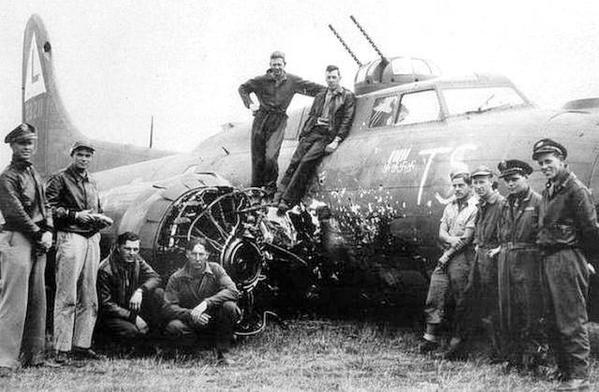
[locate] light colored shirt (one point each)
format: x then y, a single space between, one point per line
457 218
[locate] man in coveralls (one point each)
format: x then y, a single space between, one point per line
24 240
520 302
483 282
567 228
274 90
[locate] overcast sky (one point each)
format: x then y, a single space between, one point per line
120 62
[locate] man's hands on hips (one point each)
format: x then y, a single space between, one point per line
46 240
84 216
135 301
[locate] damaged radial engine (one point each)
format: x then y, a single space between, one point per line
166 215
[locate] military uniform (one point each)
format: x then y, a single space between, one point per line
268 128
520 300
22 261
330 117
567 225
483 280
77 256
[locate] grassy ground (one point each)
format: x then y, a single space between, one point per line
310 356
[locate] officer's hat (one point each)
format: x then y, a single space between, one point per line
81 145
22 132
544 146
513 166
482 171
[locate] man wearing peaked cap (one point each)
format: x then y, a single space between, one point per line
24 240
566 236
484 272
520 305
544 146
514 166
22 132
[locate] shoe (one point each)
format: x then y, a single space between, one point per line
62 357
5 371
222 359
53 363
428 346
574 384
86 353
454 351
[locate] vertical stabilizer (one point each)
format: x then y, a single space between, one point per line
42 107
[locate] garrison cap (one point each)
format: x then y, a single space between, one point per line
482 171
459 174
544 146
81 145
277 54
513 166
22 132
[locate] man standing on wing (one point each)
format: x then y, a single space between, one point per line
274 90
567 229
328 124
73 197
24 240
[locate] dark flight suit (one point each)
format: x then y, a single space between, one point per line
22 284
186 289
449 284
483 282
568 224
520 300
268 128
315 136
117 281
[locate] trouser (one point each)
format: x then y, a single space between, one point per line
268 130
219 329
306 157
520 302
485 302
76 302
123 330
22 301
449 285
566 283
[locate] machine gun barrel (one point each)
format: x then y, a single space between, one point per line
370 41
351 53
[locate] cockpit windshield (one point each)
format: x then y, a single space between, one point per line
468 100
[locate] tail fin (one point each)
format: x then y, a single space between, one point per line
43 108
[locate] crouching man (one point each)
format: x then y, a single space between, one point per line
202 300
131 301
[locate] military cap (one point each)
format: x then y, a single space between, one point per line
81 145
459 174
513 166
482 171
544 146
277 54
22 132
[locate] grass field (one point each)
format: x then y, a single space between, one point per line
310 356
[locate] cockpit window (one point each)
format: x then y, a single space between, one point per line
480 99
421 67
382 111
418 107
401 65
